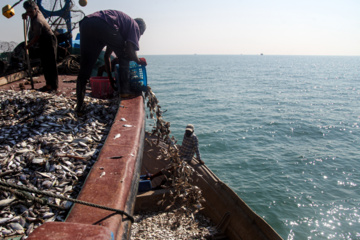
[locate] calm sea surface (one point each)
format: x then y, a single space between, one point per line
282 131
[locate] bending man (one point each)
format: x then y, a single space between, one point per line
119 33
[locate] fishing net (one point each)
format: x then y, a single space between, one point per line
69 13
67 8
63 16
7 46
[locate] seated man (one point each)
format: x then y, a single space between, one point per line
190 145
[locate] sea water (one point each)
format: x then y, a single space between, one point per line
282 131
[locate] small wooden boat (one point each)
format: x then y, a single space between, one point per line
233 217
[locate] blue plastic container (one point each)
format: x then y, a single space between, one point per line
138 77
144 184
76 41
61 31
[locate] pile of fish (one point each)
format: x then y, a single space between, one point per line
44 145
165 225
179 176
161 128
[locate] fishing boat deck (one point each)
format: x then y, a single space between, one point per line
67 84
113 180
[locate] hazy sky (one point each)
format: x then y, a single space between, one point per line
280 27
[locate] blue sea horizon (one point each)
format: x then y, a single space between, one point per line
282 131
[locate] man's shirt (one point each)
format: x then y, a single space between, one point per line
127 26
190 146
39 25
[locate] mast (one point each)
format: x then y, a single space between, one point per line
64 12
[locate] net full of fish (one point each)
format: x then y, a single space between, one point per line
182 218
166 225
46 146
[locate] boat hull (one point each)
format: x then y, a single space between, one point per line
233 217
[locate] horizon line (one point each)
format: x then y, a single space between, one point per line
213 54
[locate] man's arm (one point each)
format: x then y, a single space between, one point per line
130 50
32 41
35 39
107 62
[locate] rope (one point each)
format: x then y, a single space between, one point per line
66 198
70 65
25 195
16 3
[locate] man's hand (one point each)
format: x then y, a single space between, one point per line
149 176
24 16
142 61
201 162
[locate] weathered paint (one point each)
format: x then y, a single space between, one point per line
112 182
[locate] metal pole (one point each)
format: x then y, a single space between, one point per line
27 56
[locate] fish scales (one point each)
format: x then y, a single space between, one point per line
37 131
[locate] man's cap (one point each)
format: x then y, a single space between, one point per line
190 127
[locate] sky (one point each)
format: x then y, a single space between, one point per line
249 27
